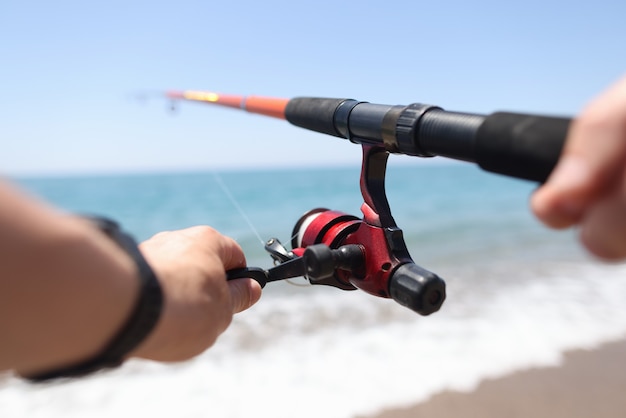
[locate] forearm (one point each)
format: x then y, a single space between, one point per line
65 288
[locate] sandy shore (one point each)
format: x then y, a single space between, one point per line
590 384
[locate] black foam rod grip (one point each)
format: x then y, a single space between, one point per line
313 113
519 145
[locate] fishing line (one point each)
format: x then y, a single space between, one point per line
226 190
220 182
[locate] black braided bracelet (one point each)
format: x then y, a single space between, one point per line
141 322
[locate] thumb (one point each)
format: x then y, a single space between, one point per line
592 159
244 293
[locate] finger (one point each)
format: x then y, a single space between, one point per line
557 203
244 293
594 154
604 228
231 254
226 248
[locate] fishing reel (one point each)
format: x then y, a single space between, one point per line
369 253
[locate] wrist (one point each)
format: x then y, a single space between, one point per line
137 318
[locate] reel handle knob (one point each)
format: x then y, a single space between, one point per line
418 289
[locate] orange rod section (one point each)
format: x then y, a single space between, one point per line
268 106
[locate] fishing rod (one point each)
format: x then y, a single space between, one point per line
369 253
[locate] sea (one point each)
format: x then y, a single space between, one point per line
518 296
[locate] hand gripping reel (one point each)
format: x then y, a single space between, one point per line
340 250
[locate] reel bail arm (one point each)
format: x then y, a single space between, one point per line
405 282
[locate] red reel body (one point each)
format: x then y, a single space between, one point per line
335 229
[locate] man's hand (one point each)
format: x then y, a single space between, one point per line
588 185
198 301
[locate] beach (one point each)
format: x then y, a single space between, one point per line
589 383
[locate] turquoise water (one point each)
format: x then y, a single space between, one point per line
518 296
445 210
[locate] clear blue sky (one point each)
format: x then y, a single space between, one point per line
69 68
